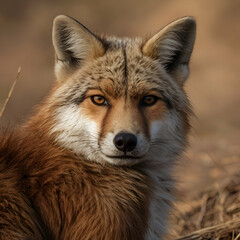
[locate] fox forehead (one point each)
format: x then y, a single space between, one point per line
123 69
117 70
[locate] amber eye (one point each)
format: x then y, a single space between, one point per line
99 100
149 100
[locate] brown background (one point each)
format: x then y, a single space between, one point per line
213 86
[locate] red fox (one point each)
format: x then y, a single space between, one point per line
96 160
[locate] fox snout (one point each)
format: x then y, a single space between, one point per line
125 142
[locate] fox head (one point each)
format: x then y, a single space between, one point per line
121 101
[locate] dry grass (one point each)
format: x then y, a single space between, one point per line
215 214
228 230
10 92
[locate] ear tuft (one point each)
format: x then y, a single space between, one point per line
172 47
74 44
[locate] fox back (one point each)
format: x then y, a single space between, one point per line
96 160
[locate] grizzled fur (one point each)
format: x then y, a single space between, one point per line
62 176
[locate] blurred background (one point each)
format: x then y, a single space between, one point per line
213 86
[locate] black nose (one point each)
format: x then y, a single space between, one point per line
125 142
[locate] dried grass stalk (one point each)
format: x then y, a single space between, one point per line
218 231
10 92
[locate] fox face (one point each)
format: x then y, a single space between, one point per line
121 101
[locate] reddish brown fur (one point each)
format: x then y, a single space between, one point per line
58 196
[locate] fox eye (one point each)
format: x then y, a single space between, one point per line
99 100
149 100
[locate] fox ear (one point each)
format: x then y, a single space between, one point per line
172 47
73 44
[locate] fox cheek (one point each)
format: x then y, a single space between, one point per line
155 129
72 127
169 129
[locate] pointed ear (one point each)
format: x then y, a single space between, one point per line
172 47
74 44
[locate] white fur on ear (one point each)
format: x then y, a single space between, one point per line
172 47
73 44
